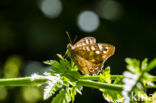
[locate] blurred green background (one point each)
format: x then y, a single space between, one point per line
32 31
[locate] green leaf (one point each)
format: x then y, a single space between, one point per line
151 65
58 68
133 65
144 78
112 96
144 64
105 75
65 63
60 56
62 97
65 68
49 62
133 62
73 93
74 67
117 81
72 75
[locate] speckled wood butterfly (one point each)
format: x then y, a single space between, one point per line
90 56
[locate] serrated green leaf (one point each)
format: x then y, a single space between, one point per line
66 68
66 64
62 97
58 68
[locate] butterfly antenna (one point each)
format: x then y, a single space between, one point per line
69 37
75 39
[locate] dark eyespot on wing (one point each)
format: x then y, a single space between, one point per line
105 48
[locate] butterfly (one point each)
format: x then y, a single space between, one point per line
90 56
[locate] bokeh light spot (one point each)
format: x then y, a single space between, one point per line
110 10
3 93
88 21
31 94
12 66
51 8
34 67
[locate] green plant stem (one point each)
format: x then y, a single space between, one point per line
113 77
84 81
96 77
100 85
150 86
25 81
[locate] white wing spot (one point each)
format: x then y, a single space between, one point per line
87 42
104 52
90 41
97 52
87 48
100 46
93 48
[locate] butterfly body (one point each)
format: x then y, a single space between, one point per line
88 55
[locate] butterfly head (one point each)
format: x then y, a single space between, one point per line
69 49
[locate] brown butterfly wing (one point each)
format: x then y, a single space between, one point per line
90 58
95 53
86 67
85 41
